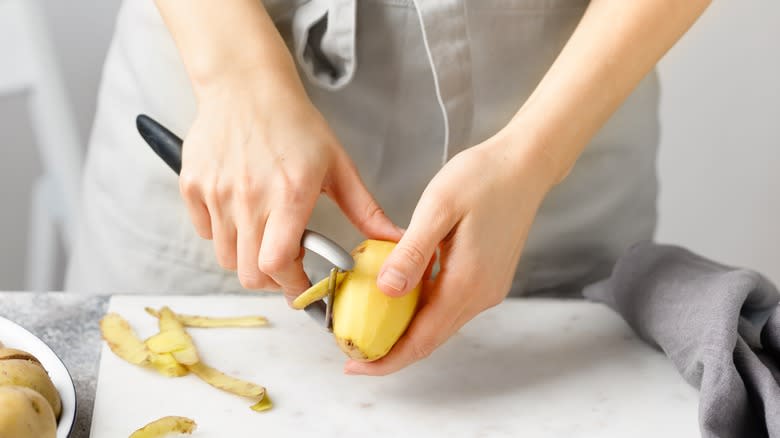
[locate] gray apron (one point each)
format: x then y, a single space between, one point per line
405 85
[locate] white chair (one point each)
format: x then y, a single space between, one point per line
29 66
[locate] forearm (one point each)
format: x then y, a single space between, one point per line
216 40
615 45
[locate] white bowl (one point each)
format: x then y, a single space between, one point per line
15 336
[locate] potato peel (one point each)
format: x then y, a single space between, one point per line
165 426
224 382
166 365
182 348
167 342
172 353
122 340
263 405
317 292
197 321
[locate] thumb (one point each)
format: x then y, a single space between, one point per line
407 263
359 206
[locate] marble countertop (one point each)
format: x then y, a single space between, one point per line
68 323
529 367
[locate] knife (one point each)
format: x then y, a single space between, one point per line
168 146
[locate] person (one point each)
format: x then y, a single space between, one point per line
461 120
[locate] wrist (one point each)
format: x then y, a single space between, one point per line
545 142
528 156
273 84
219 70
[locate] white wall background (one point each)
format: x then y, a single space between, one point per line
720 146
80 30
720 152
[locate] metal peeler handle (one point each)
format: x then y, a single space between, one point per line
168 146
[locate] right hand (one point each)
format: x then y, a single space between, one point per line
256 159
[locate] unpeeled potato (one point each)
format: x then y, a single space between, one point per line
29 374
12 353
24 413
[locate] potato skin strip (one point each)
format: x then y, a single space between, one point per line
122 340
197 321
166 426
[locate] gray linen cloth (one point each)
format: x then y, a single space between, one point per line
720 325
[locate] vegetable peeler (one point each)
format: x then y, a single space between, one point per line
168 146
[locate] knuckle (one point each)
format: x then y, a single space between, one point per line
273 265
189 186
210 194
371 212
300 177
294 187
413 254
293 193
248 189
223 189
252 280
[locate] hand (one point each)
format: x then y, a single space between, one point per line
256 159
477 210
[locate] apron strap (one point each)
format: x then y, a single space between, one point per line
445 35
324 38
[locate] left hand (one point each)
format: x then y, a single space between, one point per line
477 210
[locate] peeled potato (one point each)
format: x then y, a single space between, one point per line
366 322
29 374
25 414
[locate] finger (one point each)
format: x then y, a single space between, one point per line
193 200
433 324
359 206
431 221
224 232
280 254
291 294
250 235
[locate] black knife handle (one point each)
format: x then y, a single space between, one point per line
163 142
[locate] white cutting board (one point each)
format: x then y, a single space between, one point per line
533 368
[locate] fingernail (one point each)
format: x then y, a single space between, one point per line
393 279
